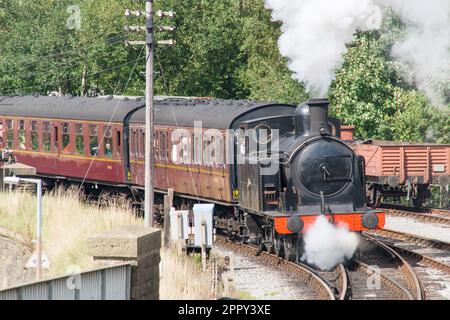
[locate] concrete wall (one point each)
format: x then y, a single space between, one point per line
137 245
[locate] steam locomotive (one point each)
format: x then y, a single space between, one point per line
316 174
270 168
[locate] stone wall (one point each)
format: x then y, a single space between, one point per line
137 245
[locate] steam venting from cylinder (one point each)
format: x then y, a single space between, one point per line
311 118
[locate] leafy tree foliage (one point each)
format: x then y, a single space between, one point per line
225 49
369 92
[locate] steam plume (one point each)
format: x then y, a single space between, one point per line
327 245
315 34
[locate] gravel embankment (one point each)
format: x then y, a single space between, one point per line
433 231
258 281
13 257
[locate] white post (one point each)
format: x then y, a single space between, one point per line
39 229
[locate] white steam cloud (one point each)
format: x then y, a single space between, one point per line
315 34
327 245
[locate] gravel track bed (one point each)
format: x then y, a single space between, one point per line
436 282
262 282
429 230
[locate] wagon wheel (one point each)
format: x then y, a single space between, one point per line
418 196
417 202
373 195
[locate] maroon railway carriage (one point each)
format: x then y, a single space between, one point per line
100 141
66 138
184 130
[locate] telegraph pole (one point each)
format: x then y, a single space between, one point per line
149 98
149 118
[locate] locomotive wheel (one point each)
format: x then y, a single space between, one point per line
277 245
288 249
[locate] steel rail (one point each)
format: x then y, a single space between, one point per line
309 276
420 240
414 284
422 217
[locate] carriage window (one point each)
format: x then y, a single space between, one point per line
206 152
108 143
56 146
185 150
133 144
1 134
157 143
119 142
220 151
162 153
174 153
46 142
21 135
138 143
142 146
211 151
79 139
197 150
66 138
10 134
34 136
93 140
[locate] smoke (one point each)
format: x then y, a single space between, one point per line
425 51
315 34
327 245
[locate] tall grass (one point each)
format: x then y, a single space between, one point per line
67 224
182 278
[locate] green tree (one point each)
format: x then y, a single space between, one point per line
362 93
265 75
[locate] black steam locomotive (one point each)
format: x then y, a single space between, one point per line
312 172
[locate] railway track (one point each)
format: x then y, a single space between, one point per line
438 216
380 273
396 278
323 285
429 258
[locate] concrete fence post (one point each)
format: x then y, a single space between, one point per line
137 245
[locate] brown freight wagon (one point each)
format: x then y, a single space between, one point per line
402 169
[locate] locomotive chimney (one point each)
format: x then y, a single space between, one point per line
311 118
